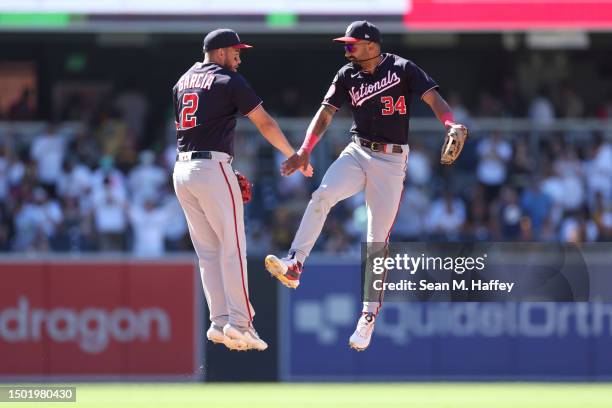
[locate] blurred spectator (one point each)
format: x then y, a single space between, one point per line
133 108
146 179
357 225
598 169
572 105
175 234
522 165
149 222
460 112
494 153
446 217
411 221
336 240
109 177
6 228
109 216
513 104
84 148
36 220
283 229
48 151
110 132
569 168
541 110
75 180
536 205
578 228
74 234
419 165
478 225
508 215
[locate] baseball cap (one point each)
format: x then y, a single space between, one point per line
360 30
223 38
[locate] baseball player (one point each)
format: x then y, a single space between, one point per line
207 99
378 88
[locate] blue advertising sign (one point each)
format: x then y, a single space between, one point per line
438 340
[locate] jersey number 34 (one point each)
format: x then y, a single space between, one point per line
190 106
391 107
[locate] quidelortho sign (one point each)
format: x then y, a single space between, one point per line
95 318
438 340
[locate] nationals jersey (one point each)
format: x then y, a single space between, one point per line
207 99
380 102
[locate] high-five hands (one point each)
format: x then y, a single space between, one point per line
299 161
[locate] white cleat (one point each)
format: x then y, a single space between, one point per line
286 270
215 334
360 340
248 337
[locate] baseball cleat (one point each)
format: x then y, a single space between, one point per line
248 337
215 334
360 340
286 270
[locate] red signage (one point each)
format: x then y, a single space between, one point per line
129 319
498 15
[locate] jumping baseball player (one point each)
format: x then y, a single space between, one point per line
207 99
378 87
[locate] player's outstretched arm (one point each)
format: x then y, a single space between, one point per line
437 104
270 130
316 129
456 133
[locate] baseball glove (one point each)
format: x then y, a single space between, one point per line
245 186
453 143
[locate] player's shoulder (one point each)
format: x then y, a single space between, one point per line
346 70
399 61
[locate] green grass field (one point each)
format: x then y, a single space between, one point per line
426 395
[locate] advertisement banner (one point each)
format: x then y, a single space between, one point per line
98 319
438 340
500 15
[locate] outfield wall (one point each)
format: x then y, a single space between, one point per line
99 318
438 341
121 319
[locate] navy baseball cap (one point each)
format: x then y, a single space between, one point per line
360 30
223 38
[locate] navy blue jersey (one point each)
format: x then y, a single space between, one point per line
380 102
207 99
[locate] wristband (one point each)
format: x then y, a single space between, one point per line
447 119
309 142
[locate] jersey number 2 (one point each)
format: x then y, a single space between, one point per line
190 106
390 108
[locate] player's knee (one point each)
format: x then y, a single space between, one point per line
324 197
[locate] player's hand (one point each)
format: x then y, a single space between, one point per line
308 172
456 135
299 161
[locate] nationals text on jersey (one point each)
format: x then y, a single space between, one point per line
365 92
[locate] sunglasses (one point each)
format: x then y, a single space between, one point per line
351 47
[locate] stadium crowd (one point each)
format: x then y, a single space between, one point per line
100 188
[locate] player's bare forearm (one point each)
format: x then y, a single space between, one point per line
320 122
437 104
270 130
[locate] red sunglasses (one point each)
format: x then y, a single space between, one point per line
351 47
